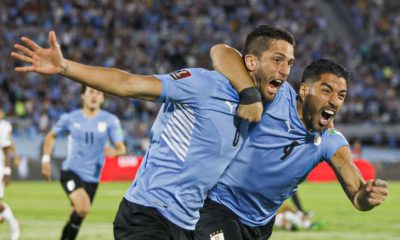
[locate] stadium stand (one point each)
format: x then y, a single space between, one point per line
160 36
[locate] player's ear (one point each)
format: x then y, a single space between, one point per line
303 90
250 62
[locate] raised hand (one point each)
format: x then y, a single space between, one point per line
41 60
250 112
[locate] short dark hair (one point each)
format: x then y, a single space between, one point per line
315 69
83 88
260 38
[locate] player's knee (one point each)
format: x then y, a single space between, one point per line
82 210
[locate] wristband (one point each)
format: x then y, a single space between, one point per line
45 158
250 95
7 171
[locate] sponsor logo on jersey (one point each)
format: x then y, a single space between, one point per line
184 73
232 106
289 127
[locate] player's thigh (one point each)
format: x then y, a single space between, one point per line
134 221
80 200
217 222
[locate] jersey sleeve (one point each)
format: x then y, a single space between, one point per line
115 132
335 140
5 135
61 125
188 86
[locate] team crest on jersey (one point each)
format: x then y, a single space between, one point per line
218 235
101 126
183 73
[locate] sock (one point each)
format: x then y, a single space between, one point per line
12 221
74 224
65 231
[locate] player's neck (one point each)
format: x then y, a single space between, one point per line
90 112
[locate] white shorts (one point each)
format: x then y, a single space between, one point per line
1 175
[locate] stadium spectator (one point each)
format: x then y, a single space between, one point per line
172 34
272 162
7 146
88 128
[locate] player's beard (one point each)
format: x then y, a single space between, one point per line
260 80
311 113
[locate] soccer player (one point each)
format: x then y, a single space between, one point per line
88 130
6 144
193 138
290 140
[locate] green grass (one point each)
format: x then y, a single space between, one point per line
42 210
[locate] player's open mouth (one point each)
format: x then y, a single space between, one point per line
326 116
274 85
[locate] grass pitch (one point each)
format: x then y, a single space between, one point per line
42 210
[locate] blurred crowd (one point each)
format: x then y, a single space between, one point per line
159 36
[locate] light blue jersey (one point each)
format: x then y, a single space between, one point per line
277 155
87 138
191 145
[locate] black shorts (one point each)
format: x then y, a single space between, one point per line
219 222
134 221
70 181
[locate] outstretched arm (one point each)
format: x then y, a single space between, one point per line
363 195
229 62
111 80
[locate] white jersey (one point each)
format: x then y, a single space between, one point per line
5 138
5 141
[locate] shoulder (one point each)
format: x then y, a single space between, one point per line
287 91
334 139
334 133
194 75
108 116
74 113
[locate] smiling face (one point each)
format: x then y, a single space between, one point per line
271 69
321 100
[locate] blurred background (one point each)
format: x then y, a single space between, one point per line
160 36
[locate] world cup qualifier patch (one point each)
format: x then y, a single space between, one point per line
183 73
